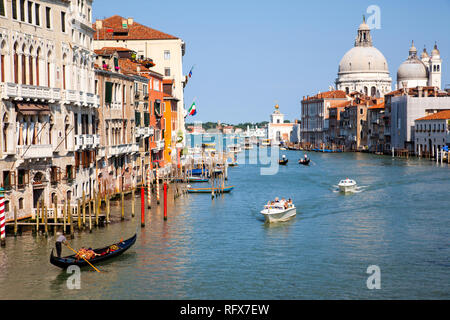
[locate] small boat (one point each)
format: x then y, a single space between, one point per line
209 190
283 162
304 162
198 172
347 185
233 164
197 179
105 254
278 212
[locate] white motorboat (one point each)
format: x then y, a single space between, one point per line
278 212
347 185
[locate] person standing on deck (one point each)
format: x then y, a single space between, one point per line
61 239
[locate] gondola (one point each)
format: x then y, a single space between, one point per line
71 260
283 162
304 162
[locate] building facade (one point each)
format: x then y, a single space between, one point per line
48 102
165 50
278 131
432 134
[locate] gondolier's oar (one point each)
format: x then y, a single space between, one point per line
83 258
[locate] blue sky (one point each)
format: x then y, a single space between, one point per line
250 55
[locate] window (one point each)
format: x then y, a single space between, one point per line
63 21
2 8
166 55
22 10
167 72
22 178
14 9
145 89
137 118
48 17
37 9
21 204
30 12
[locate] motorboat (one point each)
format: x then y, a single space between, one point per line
347 185
278 211
283 161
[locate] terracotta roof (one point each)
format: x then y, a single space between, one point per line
441 115
335 94
341 105
377 106
135 31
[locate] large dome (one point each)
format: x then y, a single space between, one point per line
363 59
412 69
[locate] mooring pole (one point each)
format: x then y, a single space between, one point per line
143 206
165 200
2 218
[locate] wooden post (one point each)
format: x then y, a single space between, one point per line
122 205
107 209
44 209
37 216
64 219
70 218
15 221
90 214
79 214
55 215
2 218
98 201
84 209
132 202
149 191
142 206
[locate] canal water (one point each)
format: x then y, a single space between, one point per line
222 249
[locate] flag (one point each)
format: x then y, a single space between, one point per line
190 72
192 111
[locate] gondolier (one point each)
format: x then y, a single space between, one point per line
61 239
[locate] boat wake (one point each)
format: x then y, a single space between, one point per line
357 189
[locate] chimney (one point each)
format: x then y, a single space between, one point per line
130 21
98 24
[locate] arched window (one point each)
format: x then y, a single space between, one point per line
16 63
5 132
30 66
373 91
2 61
24 66
347 91
438 67
49 57
366 91
38 53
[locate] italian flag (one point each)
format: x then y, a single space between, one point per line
192 111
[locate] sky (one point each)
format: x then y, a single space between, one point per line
252 54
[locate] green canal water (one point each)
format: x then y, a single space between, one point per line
222 249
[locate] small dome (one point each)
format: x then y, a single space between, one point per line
412 69
424 54
435 51
363 59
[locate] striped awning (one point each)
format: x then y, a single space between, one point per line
31 109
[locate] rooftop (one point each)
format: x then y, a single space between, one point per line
119 28
441 115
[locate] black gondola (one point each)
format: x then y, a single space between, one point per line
283 162
105 254
304 162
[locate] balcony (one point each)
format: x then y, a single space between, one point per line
87 141
140 131
35 151
119 149
27 92
81 98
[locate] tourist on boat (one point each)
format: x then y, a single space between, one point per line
277 200
90 254
60 240
81 253
306 156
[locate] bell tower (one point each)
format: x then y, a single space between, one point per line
435 67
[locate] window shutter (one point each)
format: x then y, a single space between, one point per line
13 178
108 92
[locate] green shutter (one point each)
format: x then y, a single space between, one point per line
146 119
108 92
137 118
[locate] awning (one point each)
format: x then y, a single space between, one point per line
30 109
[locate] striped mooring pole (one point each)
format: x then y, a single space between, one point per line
157 185
149 190
2 218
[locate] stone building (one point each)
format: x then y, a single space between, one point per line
48 103
432 133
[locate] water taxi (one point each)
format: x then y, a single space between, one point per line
209 190
279 211
347 185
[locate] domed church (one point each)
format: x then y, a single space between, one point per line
425 71
364 68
